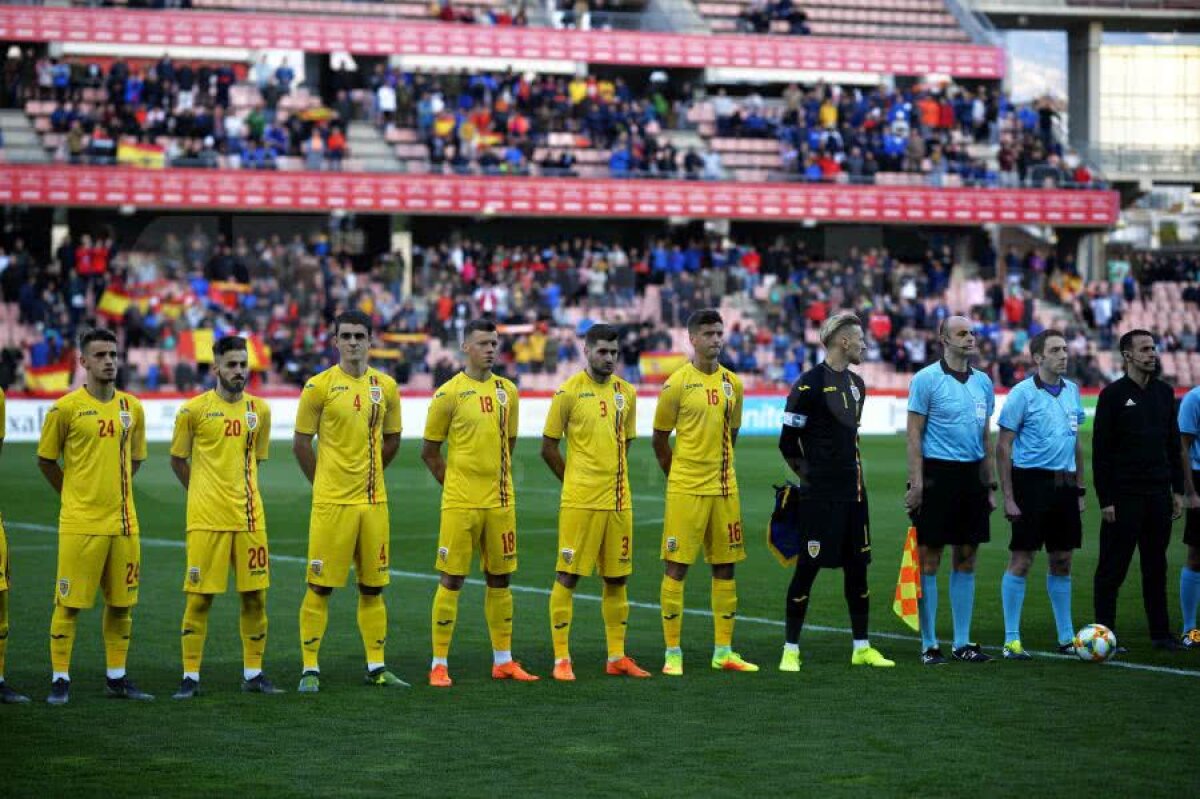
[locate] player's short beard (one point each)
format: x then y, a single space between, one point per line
229 387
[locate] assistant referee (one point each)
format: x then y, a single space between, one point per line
1137 466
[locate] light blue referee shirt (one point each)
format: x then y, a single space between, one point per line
955 411
1189 423
1046 426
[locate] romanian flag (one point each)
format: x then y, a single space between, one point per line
147 156
196 346
656 367
53 379
113 304
908 584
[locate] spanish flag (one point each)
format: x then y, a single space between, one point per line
908 584
147 156
113 304
196 346
53 379
260 354
656 367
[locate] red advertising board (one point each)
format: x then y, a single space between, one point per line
237 190
387 37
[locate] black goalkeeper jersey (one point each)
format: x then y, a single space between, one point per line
820 425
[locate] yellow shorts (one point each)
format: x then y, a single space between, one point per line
715 522
3 559
111 563
339 534
591 539
209 555
491 531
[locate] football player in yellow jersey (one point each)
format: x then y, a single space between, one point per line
7 695
220 438
100 435
475 412
702 402
596 413
354 411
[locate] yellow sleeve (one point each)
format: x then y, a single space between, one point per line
666 413
560 413
54 433
262 444
631 417
391 418
138 453
738 390
441 411
312 401
181 439
512 416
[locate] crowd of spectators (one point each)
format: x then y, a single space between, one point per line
759 14
286 290
509 15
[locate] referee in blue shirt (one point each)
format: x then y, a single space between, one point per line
1189 575
1040 459
950 486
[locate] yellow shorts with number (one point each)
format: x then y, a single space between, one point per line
490 531
339 535
3 559
712 522
591 539
210 554
110 563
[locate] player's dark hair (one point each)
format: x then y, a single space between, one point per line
601 332
228 344
705 316
96 334
1037 344
479 326
1126 342
351 318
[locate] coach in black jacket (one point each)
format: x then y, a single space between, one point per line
1138 473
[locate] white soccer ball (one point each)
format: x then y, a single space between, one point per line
1095 643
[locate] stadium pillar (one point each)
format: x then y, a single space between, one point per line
1083 83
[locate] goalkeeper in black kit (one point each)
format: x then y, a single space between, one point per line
827 513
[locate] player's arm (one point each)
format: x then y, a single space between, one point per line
1175 459
302 448
391 445
986 470
1191 499
1103 457
513 417
552 455
736 417
138 451
52 472
183 470
50 447
661 441
391 427
431 454
181 447
666 414
795 417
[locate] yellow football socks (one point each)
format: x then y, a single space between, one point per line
498 610
194 630
62 637
724 608
116 626
252 623
671 599
3 629
314 616
445 614
561 607
372 623
614 607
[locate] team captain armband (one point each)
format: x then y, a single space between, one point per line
794 420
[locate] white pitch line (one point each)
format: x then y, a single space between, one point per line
528 589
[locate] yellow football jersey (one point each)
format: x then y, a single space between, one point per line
597 419
703 410
476 419
225 441
98 443
3 427
349 416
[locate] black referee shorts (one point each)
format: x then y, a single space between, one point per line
833 534
1049 503
954 505
1191 533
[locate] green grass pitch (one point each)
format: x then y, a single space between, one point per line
1001 728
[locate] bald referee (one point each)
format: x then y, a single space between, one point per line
951 493
1040 458
1137 465
819 441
